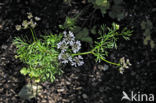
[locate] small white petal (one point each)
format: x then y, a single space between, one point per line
73 64
80 57
18 27
121 70
29 15
37 18
64 32
33 25
71 34
128 62
62 45
76 46
80 63
25 24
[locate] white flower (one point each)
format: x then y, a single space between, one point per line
64 57
69 37
76 46
64 32
128 62
70 58
80 63
124 64
121 70
77 61
122 60
62 45
25 24
73 64
32 23
71 34
37 18
29 15
18 27
69 40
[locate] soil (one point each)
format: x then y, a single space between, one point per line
89 83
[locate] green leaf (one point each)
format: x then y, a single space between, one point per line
61 26
83 36
93 30
70 22
103 10
87 39
99 2
24 71
117 12
104 3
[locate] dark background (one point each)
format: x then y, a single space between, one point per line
87 84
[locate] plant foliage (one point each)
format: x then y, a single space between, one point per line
41 57
108 40
103 5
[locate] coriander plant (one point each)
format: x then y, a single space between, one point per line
45 57
70 53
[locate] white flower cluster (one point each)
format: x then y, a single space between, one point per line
124 64
68 42
26 23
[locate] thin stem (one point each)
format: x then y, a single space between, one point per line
32 34
91 52
117 64
84 53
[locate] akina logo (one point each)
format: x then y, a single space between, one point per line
139 97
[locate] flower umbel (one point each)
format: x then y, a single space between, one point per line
124 64
25 24
62 45
69 38
69 46
64 57
29 15
76 46
30 23
18 27
77 61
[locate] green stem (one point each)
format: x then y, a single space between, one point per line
91 52
32 34
84 53
117 64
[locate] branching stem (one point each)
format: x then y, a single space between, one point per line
92 52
